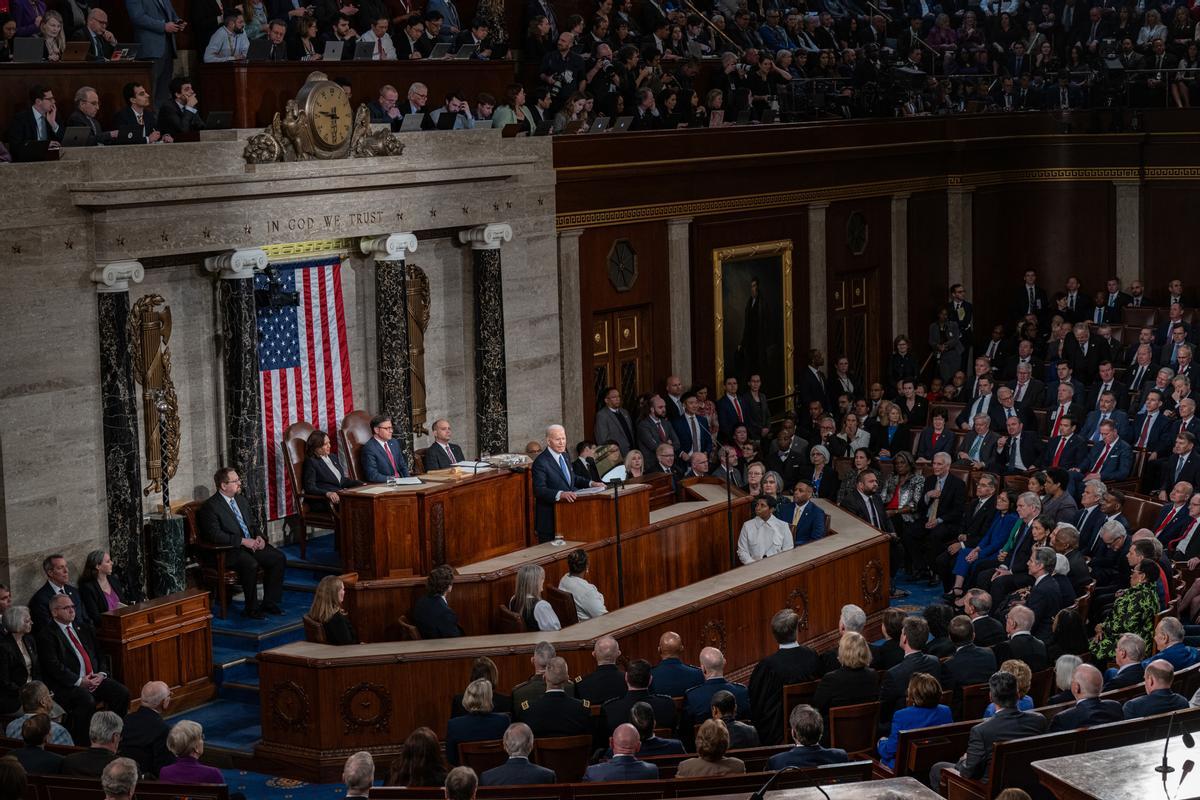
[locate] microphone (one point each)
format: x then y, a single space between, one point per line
1188 766
1164 768
761 793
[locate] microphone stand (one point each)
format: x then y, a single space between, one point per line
1164 768
615 484
729 515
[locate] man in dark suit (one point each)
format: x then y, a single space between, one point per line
104 733
517 771
1106 381
1186 545
1159 699
940 512
1183 465
144 737
135 122
381 457
584 464
1085 354
638 682
1008 723
1129 670
970 664
442 453
791 663
606 682
101 41
731 410
1065 451
33 756
1017 450
432 614
1152 428
179 114
39 122
698 699
1022 644
1173 517
1028 391
57 582
553 481
806 521
1023 357
913 635
812 382
1106 409
87 108
807 728
1031 299
866 504
979 516
624 765
613 423
555 713
978 607
1044 598
984 403
70 668
656 429
1089 709
691 428
1009 407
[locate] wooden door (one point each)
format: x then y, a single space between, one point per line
621 357
853 329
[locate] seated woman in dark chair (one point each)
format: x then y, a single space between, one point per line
484 668
327 610
18 658
322 474
98 587
481 723
432 614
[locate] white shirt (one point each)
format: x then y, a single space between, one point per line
1186 540
226 46
589 603
337 473
761 539
547 620
389 49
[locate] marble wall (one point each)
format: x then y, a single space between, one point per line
172 206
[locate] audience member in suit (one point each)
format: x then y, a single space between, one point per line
978 449
1008 723
144 737
853 681
641 717
812 381
480 724
851 619
322 473
821 475
712 742
889 653
1107 409
914 633
70 667
923 710
698 702
553 481
227 519
806 521
1089 709
87 107
18 658
613 423
101 41
732 410
791 663
1168 641
584 464
39 122
1085 353
136 122
555 713
988 630
1028 392
104 733
517 771
1059 506
57 582
937 438
606 682
892 436
432 614
1112 458
984 403
1159 699
638 681
691 428
328 612
179 114
671 676
807 728
33 757
976 528
484 667
655 429
1128 658
1152 428
381 456
1106 381
939 515
1173 517
1044 598
624 765
724 708
359 775
1022 644
1182 466
442 453
1017 450
970 664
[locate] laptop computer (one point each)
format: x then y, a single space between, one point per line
260 50
76 136
622 124
466 51
76 51
543 127
445 121
599 126
511 131
32 150
364 51
125 52
129 134
219 120
440 50
333 51
412 122
575 126
29 49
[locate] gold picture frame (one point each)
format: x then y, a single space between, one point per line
734 269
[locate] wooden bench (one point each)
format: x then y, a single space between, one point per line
59 787
755 759
851 772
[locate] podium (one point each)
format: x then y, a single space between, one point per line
592 518
453 517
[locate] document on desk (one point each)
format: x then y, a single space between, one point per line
591 490
473 465
384 488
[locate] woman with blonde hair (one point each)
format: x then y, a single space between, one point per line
483 667
186 742
328 612
480 724
51 30
635 464
1019 670
527 601
853 682
712 741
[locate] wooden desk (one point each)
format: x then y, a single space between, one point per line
678 545
64 79
166 639
452 518
1122 773
593 517
255 92
321 702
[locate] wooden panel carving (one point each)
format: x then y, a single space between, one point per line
798 601
289 706
872 581
366 706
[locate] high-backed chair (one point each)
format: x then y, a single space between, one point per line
566 755
508 621
353 433
311 509
482 756
314 631
1139 316
796 694
563 604
214 573
852 728
408 631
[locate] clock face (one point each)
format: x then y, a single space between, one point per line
330 115
622 265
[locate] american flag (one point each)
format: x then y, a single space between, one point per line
304 365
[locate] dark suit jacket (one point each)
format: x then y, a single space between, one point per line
217 523
95 130
807 756
771 674
548 481
1008 723
1190 471
174 120
1160 701
37 761
57 659
1130 676
1074 454
13 674
1029 649
951 504
988 631
970 664
616 711
87 764
517 771
1159 439
846 687
622 768
1087 712
376 466
1092 424
855 505
811 388
812 525
901 439
994 411
894 686
98 49
685 434
604 683
435 619
927 446
586 468
319 479
39 606
1031 452
125 118
23 128
144 739
94 600
1044 601
436 458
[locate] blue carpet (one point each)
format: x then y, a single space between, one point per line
920 595
319 552
227 724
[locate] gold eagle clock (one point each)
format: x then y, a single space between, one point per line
326 108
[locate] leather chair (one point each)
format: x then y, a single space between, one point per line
353 433
321 514
852 728
482 756
214 573
408 631
566 755
508 621
314 631
563 604
975 699
1139 316
796 694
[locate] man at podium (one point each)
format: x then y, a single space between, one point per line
554 481
442 454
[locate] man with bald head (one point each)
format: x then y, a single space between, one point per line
674 397
554 481
671 675
1089 709
442 453
1159 697
555 713
624 765
144 738
606 681
699 698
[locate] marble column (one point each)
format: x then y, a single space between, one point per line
900 263
118 397
959 235
679 266
1129 230
391 332
570 323
244 445
818 304
491 370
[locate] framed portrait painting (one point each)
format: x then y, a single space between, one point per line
752 299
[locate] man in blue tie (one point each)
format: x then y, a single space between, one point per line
226 519
554 482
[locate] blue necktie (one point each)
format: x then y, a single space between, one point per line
241 522
562 462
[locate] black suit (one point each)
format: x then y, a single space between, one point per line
894 686
979 520
88 764
95 131
555 714
219 526
37 761
39 606
125 118
435 619
517 771
988 631
950 508
98 48
144 739
1044 600
604 683
1009 723
1029 649
783 667
172 119
616 711
1087 712
436 458
93 597
812 387
1030 448
60 666
1189 471
24 128
970 664
846 687
318 478
1130 676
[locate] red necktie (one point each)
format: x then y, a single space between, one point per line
662 432
1167 520
1186 533
449 452
1141 442
1100 461
395 469
379 49
1058 453
738 408
87 662
1062 412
